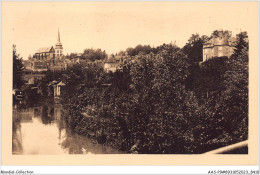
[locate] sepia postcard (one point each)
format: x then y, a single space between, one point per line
129 83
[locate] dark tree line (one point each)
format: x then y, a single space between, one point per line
93 54
17 70
136 50
89 55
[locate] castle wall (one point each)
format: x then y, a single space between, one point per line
219 45
217 51
207 53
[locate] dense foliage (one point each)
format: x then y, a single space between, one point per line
93 54
138 49
164 103
193 48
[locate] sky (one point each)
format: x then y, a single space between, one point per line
115 26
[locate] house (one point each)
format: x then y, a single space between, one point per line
56 87
220 45
113 63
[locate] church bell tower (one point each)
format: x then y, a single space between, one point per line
58 47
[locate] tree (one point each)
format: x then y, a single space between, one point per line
71 56
221 33
17 70
162 107
150 106
138 49
224 110
241 44
93 54
233 103
194 38
121 53
194 47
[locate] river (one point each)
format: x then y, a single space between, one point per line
41 130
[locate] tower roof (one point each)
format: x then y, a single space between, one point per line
58 44
58 36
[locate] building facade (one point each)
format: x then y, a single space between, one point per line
221 44
113 63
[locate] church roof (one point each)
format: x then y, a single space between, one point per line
44 49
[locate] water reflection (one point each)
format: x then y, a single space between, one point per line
17 136
75 144
47 114
41 129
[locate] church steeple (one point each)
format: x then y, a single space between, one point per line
58 36
58 47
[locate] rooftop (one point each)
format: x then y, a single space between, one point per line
44 50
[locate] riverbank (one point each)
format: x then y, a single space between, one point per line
41 129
